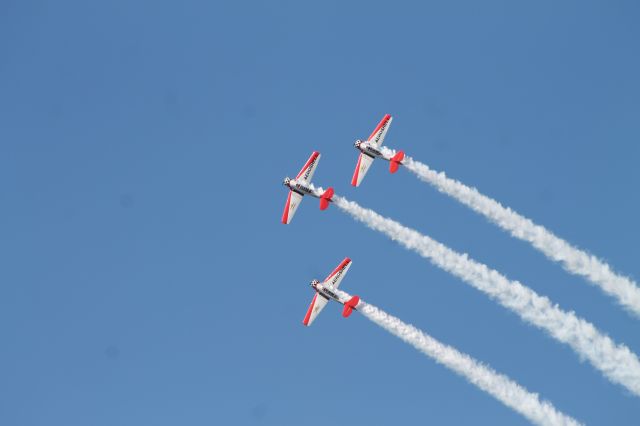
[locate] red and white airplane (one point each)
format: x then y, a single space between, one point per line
301 186
326 290
370 150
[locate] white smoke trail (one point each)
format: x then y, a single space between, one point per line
497 385
573 260
615 361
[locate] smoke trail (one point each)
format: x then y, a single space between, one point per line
497 385
616 362
571 258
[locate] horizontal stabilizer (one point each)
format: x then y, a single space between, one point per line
325 199
350 305
347 311
396 161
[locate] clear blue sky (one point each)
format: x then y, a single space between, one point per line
146 279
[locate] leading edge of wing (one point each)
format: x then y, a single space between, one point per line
362 167
317 304
385 119
306 172
293 201
338 273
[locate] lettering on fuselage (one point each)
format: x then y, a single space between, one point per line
374 151
331 294
299 187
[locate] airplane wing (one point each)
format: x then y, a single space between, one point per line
338 274
364 162
306 173
293 201
317 304
380 132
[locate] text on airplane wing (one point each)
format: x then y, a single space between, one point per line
338 274
309 168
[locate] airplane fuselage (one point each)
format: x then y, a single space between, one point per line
327 293
368 149
302 188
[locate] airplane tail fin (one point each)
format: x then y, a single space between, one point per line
396 161
325 199
350 305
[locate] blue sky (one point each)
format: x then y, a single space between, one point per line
146 278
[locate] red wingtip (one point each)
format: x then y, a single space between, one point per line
326 198
312 158
342 264
380 124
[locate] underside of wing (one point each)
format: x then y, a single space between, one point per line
293 201
317 304
336 276
380 132
306 173
364 162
